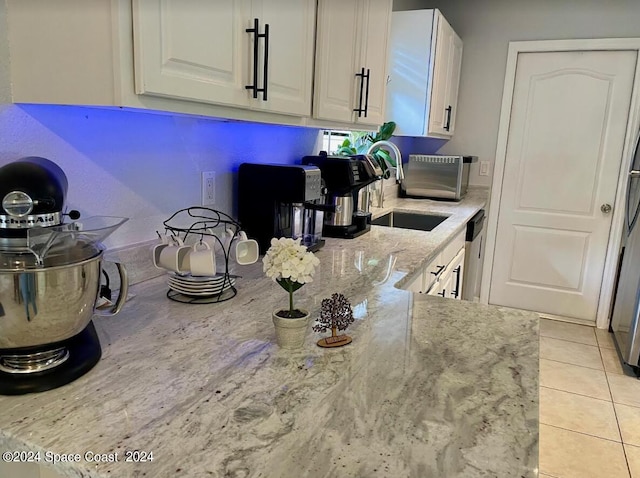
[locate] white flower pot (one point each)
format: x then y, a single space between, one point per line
290 333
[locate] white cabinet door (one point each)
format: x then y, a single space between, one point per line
292 26
337 51
376 19
457 274
183 50
446 79
425 60
442 286
439 99
435 289
202 52
351 54
453 82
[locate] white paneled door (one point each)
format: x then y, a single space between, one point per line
564 149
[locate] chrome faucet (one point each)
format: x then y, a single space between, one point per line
396 152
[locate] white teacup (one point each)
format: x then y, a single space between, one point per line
164 242
202 260
174 257
247 250
217 239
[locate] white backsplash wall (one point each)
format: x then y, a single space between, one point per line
141 165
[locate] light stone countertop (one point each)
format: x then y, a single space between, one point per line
430 387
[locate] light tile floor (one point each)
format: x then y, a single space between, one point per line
589 405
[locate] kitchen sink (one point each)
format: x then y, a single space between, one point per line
409 220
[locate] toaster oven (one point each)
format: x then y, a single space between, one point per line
436 176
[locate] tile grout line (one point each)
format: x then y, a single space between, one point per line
577 365
578 394
615 412
583 433
568 340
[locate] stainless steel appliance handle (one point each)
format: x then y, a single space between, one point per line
634 173
122 296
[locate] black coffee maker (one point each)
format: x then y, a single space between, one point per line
344 177
278 200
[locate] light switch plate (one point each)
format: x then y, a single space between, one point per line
484 168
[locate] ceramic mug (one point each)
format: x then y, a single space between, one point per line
247 250
202 260
175 256
164 242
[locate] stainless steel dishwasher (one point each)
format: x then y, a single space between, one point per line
473 257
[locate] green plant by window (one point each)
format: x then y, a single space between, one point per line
360 141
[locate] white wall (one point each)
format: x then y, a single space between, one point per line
141 165
487 26
4 55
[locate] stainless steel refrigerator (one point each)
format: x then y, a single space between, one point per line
626 306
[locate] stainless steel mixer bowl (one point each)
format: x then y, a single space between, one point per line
40 306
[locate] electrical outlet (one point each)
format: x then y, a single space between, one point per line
208 188
484 168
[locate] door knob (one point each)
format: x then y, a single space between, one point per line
606 208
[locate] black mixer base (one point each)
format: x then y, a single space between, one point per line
84 353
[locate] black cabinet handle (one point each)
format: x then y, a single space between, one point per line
440 269
456 292
360 109
256 31
265 35
366 95
447 125
443 293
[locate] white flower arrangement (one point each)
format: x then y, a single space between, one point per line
289 264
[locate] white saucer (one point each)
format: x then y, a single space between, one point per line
201 287
202 291
189 279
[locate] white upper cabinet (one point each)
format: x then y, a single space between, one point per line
185 51
203 52
351 57
425 59
292 26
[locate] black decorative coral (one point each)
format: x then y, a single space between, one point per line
335 314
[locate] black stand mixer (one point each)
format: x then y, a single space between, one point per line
50 278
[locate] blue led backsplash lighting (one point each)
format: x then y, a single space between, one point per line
143 165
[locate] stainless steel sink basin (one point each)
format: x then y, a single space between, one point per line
409 220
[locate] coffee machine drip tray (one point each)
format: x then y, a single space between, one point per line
361 224
44 367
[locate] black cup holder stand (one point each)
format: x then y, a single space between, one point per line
199 222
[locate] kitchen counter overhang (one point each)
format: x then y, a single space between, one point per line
429 386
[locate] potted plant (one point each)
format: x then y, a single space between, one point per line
360 141
291 265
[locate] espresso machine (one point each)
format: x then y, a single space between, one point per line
345 178
51 280
277 200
